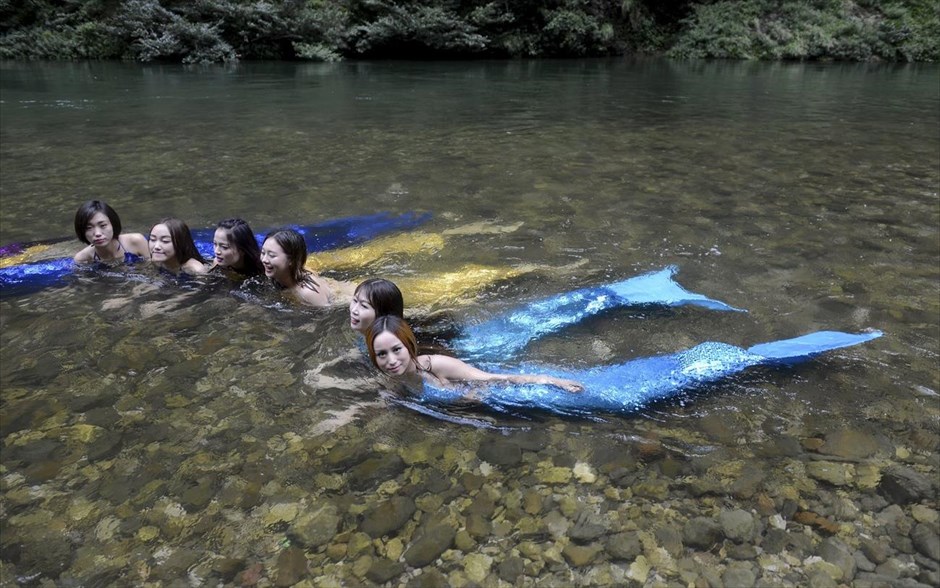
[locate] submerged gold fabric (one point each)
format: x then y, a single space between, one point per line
27 255
427 290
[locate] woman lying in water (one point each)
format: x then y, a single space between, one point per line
99 227
172 248
283 256
394 351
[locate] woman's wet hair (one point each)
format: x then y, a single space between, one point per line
89 209
396 326
243 238
384 297
295 248
184 247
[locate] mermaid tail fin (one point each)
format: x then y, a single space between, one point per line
660 288
807 346
506 334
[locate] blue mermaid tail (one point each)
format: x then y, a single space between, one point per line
333 233
25 278
632 385
506 335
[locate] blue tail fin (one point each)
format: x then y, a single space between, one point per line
659 288
799 348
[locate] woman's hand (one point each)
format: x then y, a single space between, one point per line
566 385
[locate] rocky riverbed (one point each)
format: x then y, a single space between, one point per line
107 500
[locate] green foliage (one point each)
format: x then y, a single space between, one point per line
415 31
571 31
819 29
200 31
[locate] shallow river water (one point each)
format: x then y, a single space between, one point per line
165 434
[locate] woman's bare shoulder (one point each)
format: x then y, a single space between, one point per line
85 255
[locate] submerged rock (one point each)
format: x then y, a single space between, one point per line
315 526
430 545
388 516
902 485
291 567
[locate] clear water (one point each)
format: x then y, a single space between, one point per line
807 194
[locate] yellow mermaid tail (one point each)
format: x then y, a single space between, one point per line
379 250
447 288
375 251
459 286
31 253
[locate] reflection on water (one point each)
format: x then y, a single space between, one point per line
179 433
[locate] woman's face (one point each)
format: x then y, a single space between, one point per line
99 231
275 262
391 355
161 244
226 253
361 313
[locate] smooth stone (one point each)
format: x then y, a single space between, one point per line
227 567
926 540
464 542
375 470
34 451
511 568
430 578
742 552
739 574
775 540
837 474
580 555
834 551
669 537
624 546
42 471
45 555
748 482
737 525
862 563
199 496
482 505
345 455
902 485
102 416
388 516
924 514
477 566
532 502
852 444
500 452
430 545
701 532
780 446
820 579
478 527
587 528
179 562
383 570
654 489
316 526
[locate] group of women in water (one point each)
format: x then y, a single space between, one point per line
170 246
376 306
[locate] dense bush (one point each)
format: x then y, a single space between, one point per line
194 31
816 29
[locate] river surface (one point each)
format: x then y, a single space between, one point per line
163 434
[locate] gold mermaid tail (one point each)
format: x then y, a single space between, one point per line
459 286
31 253
377 251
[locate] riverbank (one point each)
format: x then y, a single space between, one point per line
222 31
